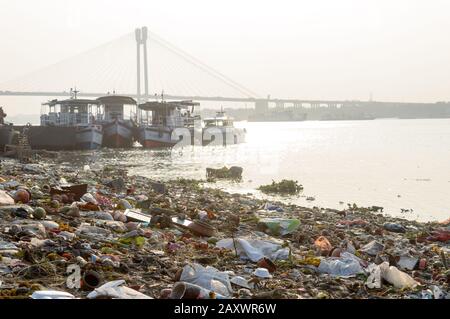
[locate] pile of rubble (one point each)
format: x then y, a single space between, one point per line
83 233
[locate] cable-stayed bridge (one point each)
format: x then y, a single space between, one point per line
119 66
141 64
113 67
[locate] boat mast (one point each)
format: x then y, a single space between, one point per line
73 93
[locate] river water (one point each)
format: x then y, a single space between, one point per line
396 164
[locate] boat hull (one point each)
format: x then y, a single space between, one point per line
6 135
156 137
89 138
51 138
117 135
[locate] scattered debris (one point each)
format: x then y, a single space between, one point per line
131 237
285 187
233 173
278 226
116 290
51 294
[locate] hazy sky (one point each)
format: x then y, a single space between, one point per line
329 49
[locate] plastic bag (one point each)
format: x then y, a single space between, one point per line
279 226
254 249
345 266
271 207
395 228
372 248
51 294
116 290
207 277
5 245
92 230
374 279
407 262
89 198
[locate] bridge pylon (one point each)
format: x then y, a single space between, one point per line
141 41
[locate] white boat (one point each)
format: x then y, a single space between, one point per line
220 130
89 137
117 125
118 134
153 137
162 119
78 114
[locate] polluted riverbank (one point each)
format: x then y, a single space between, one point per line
411 187
68 232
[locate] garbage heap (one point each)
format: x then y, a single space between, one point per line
83 233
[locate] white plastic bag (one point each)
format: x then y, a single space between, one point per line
51 294
372 248
254 249
207 277
116 290
374 279
345 266
89 198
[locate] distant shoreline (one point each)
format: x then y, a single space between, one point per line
36 122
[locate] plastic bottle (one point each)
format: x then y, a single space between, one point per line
396 277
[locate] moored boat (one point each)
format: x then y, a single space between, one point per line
166 124
80 115
153 137
88 137
117 134
51 138
117 126
6 131
6 135
220 130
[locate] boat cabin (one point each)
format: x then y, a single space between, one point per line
221 119
117 108
167 114
71 112
189 117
